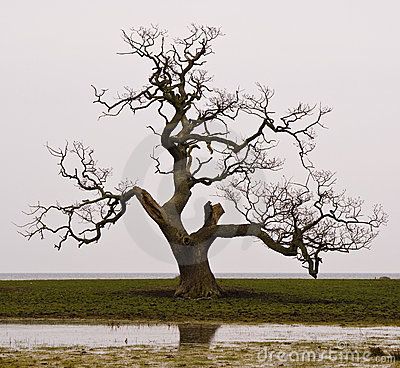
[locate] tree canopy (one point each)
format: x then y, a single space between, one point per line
194 125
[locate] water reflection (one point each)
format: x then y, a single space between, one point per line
182 335
196 334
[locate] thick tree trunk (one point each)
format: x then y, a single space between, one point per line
196 279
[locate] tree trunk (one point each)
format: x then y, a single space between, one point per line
196 279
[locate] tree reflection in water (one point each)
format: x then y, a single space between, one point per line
196 334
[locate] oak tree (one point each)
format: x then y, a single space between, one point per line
193 123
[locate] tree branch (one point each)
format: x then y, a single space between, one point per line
309 217
84 221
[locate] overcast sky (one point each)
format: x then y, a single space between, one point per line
345 54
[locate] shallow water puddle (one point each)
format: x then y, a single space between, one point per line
35 335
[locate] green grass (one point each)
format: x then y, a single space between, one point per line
357 302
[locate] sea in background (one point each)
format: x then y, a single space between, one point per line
79 276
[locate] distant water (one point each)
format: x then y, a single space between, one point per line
76 276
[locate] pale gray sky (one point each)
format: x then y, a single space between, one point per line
343 53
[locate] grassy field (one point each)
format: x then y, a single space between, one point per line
353 302
218 356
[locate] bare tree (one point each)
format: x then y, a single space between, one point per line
300 220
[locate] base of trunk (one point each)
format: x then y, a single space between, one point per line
197 281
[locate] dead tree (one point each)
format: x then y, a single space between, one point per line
302 220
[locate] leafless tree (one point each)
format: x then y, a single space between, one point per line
302 220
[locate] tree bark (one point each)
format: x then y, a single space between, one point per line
196 278
197 281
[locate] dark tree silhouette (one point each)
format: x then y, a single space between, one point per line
302 220
190 334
